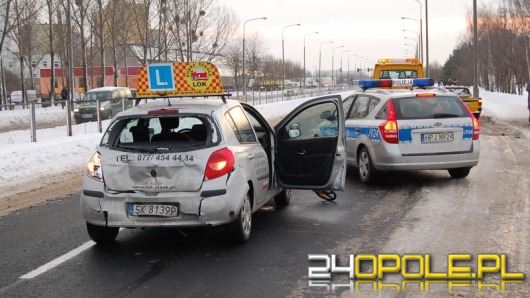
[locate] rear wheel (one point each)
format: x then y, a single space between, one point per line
367 171
283 198
459 173
101 234
242 226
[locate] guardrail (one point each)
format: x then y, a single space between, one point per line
23 123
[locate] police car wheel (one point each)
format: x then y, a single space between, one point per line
367 172
283 198
242 226
459 173
101 234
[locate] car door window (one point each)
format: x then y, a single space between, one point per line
346 104
317 121
359 108
241 125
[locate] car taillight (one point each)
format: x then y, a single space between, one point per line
476 123
220 162
94 167
389 128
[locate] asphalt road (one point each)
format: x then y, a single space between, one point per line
423 212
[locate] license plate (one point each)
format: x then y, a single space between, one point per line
437 137
153 210
87 116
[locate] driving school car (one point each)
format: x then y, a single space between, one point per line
183 162
413 129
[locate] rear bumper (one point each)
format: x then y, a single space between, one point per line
387 157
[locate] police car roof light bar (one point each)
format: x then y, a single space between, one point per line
367 84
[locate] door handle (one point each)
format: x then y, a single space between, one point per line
301 152
250 156
357 130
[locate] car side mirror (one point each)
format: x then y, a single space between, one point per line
294 131
326 115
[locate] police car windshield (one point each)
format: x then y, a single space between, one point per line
429 107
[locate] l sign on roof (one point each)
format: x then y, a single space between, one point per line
160 77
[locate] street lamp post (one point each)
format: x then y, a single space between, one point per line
356 65
421 29
320 62
316 32
416 41
332 65
354 55
283 54
244 80
341 54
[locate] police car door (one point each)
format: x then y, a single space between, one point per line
310 146
359 128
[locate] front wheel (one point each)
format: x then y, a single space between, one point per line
367 171
101 234
242 226
459 173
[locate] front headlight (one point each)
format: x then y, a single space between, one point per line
76 110
94 167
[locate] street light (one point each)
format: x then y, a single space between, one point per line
316 32
283 54
355 65
320 61
332 65
420 37
342 53
421 28
244 80
354 55
416 41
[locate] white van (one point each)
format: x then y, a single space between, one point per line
16 96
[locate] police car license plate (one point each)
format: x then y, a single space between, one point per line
86 116
437 137
153 210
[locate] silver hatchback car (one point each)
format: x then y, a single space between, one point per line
414 129
206 162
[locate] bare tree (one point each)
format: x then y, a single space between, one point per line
5 27
25 19
232 58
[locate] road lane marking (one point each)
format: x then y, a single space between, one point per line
52 264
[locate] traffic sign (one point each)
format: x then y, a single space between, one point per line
160 77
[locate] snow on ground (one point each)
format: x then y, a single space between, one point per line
55 153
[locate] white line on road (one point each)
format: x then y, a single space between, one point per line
50 265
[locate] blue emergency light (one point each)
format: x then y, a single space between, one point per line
367 84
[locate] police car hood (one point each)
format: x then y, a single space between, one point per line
160 172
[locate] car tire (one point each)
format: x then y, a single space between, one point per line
242 226
367 172
283 198
101 234
459 173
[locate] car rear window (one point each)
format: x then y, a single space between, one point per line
429 107
177 132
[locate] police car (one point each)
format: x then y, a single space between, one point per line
413 129
208 161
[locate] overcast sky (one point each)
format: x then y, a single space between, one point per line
367 28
